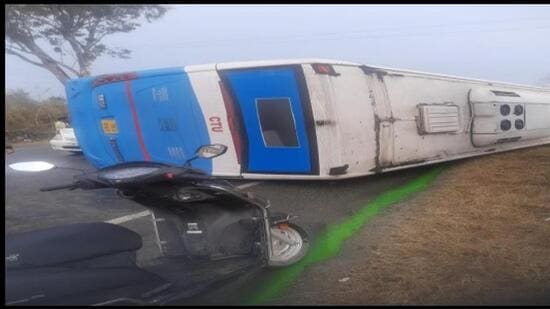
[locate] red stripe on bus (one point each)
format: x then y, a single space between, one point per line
233 126
132 103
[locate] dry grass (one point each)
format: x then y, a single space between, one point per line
481 235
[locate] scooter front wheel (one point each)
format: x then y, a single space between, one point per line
289 244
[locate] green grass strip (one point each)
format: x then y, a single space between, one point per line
329 243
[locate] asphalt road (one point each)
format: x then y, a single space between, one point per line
317 203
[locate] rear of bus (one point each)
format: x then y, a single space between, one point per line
143 116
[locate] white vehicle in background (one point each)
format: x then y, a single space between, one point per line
65 140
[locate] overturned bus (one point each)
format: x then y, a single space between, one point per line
302 119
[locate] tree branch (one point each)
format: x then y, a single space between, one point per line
76 29
91 34
71 53
18 48
99 38
21 47
45 20
47 63
75 72
79 53
12 52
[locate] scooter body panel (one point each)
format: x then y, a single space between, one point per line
77 286
68 243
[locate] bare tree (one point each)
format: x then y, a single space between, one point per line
73 32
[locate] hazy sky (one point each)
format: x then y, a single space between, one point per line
503 43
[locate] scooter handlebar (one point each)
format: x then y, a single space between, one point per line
60 187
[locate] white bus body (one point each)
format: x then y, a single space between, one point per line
320 119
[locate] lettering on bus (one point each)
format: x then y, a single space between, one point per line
216 124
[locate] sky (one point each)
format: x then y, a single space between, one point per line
508 43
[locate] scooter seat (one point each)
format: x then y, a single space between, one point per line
68 243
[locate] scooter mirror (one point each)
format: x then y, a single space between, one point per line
211 151
32 166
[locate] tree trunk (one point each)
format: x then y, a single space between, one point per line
45 63
49 63
58 72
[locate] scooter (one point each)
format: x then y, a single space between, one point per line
207 230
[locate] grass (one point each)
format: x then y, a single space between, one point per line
480 235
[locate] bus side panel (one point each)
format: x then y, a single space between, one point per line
409 94
406 94
207 87
273 116
344 119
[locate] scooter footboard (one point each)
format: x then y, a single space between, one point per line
209 231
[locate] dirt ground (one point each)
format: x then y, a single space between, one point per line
479 235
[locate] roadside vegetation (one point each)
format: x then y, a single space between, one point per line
28 119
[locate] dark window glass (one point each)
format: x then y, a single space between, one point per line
277 122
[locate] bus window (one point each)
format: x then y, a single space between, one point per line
277 122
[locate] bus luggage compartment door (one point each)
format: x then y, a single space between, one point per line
273 118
